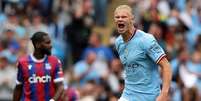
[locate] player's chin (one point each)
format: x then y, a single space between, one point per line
121 30
48 53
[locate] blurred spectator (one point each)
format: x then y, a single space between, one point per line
189 71
152 15
78 31
116 74
7 81
87 92
23 46
182 58
46 7
175 92
3 19
180 4
56 30
135 4
185 15
13 44
177 85
157 30
194 67
198 43
85 71
12 23
164 9
37 24
71 94
104 92
100 7
171 33
103 52
10 46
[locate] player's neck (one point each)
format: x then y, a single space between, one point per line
38 55
128 35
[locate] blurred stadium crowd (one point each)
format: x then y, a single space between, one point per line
92 69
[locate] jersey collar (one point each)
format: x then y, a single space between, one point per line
38 60
135 30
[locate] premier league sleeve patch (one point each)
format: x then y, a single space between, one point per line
155 48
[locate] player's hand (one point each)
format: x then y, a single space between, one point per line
162 97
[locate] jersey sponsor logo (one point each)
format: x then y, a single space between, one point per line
131 67
39 79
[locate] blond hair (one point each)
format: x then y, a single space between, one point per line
125 7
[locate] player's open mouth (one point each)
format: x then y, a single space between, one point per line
121 25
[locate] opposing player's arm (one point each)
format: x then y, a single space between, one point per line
17 93
19 87
58 80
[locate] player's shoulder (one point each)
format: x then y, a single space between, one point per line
23 59
145 37
53 58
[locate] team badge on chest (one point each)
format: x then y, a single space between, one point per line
47 66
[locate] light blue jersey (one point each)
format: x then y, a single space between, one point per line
139 57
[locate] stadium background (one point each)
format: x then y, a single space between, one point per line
83 35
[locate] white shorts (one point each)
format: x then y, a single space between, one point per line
122 99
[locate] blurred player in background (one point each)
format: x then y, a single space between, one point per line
140 55
40 75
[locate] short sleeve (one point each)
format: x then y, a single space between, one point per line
58 77
19 74
152 48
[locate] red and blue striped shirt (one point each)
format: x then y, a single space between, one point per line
38 77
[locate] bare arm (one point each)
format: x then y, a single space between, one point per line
17 93
59 85
59 91
166 77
